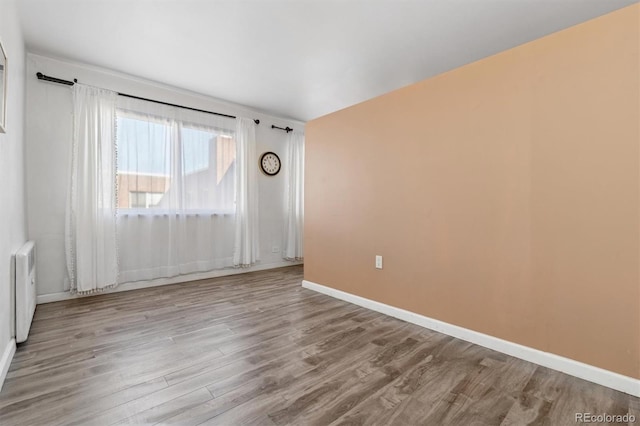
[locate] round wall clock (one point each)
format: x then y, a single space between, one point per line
270 163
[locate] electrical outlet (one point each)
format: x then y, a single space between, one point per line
378 262
275 249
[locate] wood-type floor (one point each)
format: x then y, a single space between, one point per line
259 349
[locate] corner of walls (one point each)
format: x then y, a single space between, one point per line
13 230
503 195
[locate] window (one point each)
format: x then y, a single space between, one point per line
166 164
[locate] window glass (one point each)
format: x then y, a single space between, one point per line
167 165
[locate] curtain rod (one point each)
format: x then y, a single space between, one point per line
286 129
75 80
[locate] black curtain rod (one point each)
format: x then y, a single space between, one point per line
71 83
286 129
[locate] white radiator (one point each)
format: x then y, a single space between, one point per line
25 289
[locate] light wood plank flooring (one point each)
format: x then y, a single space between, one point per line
258 349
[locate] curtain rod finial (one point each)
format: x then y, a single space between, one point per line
256 121
286 129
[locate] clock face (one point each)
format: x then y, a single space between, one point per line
270 163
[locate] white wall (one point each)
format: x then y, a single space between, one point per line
13 232
48 123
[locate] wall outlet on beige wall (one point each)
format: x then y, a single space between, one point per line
378 262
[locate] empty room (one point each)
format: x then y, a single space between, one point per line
319 212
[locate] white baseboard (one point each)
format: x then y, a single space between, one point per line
5 361
578 369
65 295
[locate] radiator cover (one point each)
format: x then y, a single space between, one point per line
25 289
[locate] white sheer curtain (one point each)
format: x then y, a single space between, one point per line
246 251
90 231
176 190
294 197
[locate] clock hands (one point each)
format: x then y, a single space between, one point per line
270 163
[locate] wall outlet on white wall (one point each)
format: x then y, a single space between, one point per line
275 249
378 262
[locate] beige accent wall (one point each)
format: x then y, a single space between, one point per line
504 195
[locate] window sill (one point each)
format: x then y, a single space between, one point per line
167 213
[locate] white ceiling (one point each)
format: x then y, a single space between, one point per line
295 58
